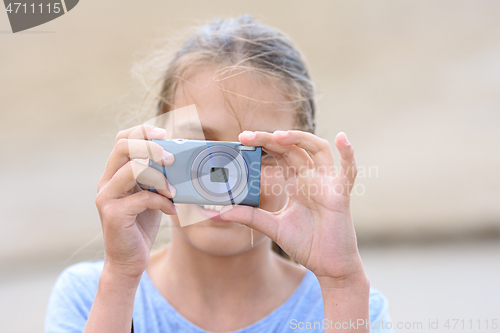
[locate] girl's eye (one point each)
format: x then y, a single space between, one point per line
266 158
265 155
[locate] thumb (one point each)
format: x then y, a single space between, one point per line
255 218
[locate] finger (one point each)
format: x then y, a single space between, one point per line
319 149
142 132
127 177
255 218
280 160
128 149
137 203
348 168
296 158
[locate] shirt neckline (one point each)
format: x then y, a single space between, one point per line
253 327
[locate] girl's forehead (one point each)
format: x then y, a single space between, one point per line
239 102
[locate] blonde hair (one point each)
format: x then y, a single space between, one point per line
240 45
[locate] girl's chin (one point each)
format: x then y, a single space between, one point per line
219 237
219 241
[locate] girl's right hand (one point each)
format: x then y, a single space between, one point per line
130 216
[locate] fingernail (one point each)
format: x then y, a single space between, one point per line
346 141
172 190
248 134
167 156
159 130
225 209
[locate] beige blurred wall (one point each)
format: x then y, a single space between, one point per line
414 84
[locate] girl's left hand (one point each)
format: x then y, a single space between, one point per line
315 226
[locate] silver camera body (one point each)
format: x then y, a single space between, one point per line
212 172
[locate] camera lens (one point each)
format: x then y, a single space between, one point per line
219 175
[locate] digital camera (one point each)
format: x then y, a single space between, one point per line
212 172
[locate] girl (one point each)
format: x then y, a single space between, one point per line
249 84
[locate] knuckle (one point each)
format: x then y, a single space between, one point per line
324 144
132 169
121 144
119 135
144 196
100 185
98 200
354 171
101 203
129 165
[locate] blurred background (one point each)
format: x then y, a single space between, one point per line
414 84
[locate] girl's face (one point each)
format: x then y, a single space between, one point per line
226 108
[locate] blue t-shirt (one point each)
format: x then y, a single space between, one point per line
74 291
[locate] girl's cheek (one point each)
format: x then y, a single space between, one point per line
272 189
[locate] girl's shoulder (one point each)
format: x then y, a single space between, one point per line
85 268
84 271
72 296
82 277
